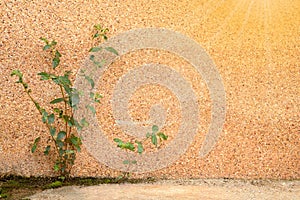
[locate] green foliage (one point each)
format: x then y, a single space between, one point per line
2 194
55 184
112 50
60 120
95 49
162 136
125 145
52 48
138 147
35 143
100 32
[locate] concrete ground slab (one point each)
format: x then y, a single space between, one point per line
212 189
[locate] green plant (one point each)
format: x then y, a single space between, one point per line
60 121
2 194
55 184
156 138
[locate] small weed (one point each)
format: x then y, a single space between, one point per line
156 138
55 184
2 194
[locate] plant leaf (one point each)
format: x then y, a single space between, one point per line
58 111
68 151
66 118
71 121
97 26
112 50
140 147
56 167
90 80
37 139
77 125
75 99
162 136
64 81
84 123
154 129
129 146
47 46
45 40
57 54
76 141
55 62
118 140
97 97
92 57
51 118
133 161
52 131
61 151
92 109
37 105
95 62
148 135
95 49
61 135
17 73
44 116
44 75
56 59
47 149
126 162
95 35
68 90
53 43
101 63
58 100
123 145
154 139
59 143
34 146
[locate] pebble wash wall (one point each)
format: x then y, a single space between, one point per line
255 47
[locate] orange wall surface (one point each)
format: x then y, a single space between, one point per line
254 47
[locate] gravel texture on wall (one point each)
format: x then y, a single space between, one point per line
253 44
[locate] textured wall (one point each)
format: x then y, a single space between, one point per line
254 45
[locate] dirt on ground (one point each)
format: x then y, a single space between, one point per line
208 189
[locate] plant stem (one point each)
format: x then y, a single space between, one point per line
68 132
66 109
39 109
